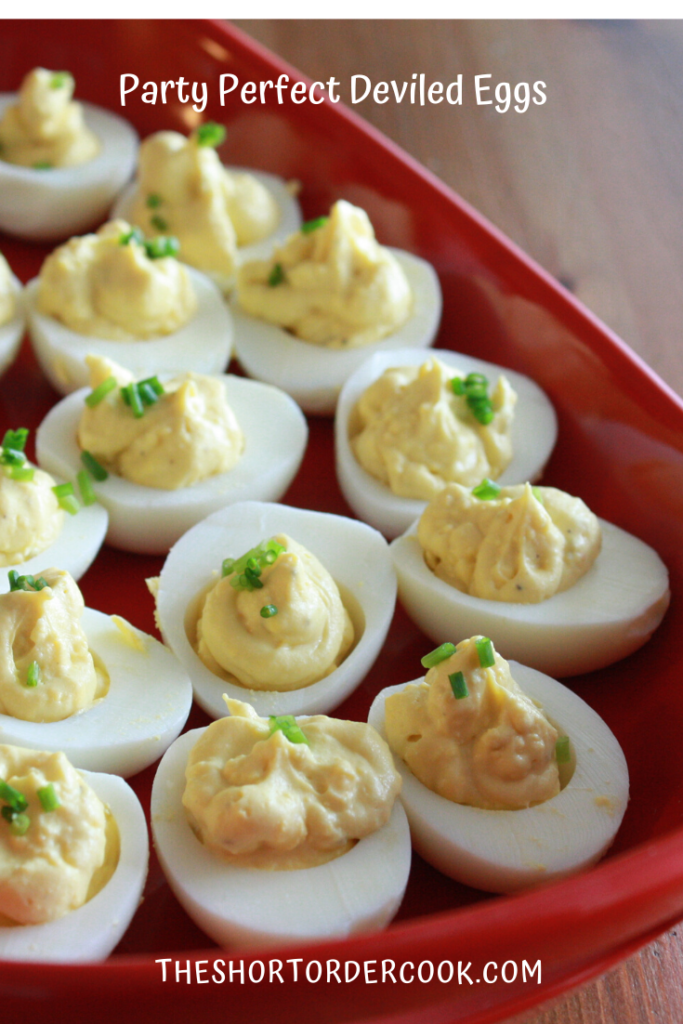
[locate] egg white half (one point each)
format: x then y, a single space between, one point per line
74 549
608 613
203 345
504 851
145 708
314 374
357 892
149 519
92 931
534 432
356 557
12 332
51 205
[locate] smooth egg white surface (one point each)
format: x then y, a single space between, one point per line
608 613
92 931
289 222
12 332
314 374
203 345
534 432
356 557
74 549
50 205
149 519
145 708
359 891
504 851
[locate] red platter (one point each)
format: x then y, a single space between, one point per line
620 448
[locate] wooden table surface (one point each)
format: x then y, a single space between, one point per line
591 185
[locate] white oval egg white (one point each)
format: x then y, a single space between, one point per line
144 710
356 557
12 332
608 613
149 519
203 345
75 549
92 931
357 892
314 374
504 851
51 205
534 432
289 222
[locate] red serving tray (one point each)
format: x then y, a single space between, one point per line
620 448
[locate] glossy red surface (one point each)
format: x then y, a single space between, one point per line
620 448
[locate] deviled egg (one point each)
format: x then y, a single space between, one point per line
119 296
551 584
73 858
441 435
91 685
237 804
322 303
221 215
61 162
12 317
287 636
187 447
509 779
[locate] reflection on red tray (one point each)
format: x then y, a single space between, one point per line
620 449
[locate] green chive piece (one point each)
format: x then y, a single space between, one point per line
153 201
268 611
11 457
458 386
62 490
16 439
210 134
131 397
487 655
538 495
19 824
98 393
276 276
252 579
289 726
474 389
228 566
33 674
24 473
313 225
158 222
458 685
134 235
438 655
161 246
97 472
60 79
66 497
13 577
154 383
487 490
16 800
147 393
40 583
49 800
42 165
88 496
563 750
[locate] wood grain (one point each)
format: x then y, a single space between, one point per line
589 184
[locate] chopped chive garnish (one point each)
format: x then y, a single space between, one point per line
228 566
16 800
33 674
158 222
155 384
60 79
96 471
438 655
49 800
210 134
17 582
19 824
16 439
289 726
162 246
562 750
10 457
131 397
154 200
13 576
66 496
88 496
42 165
486 490
458 685
538 495
276 276
253 579
474 388
245 571
134 235
98 393
268 611
147 393
313 225
487 656
23 473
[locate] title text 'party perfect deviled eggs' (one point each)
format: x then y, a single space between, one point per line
283 607
61 162
509 779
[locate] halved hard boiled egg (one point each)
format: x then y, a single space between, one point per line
93 930
12 331
356 892
534 431
149 519
355 556
508 850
